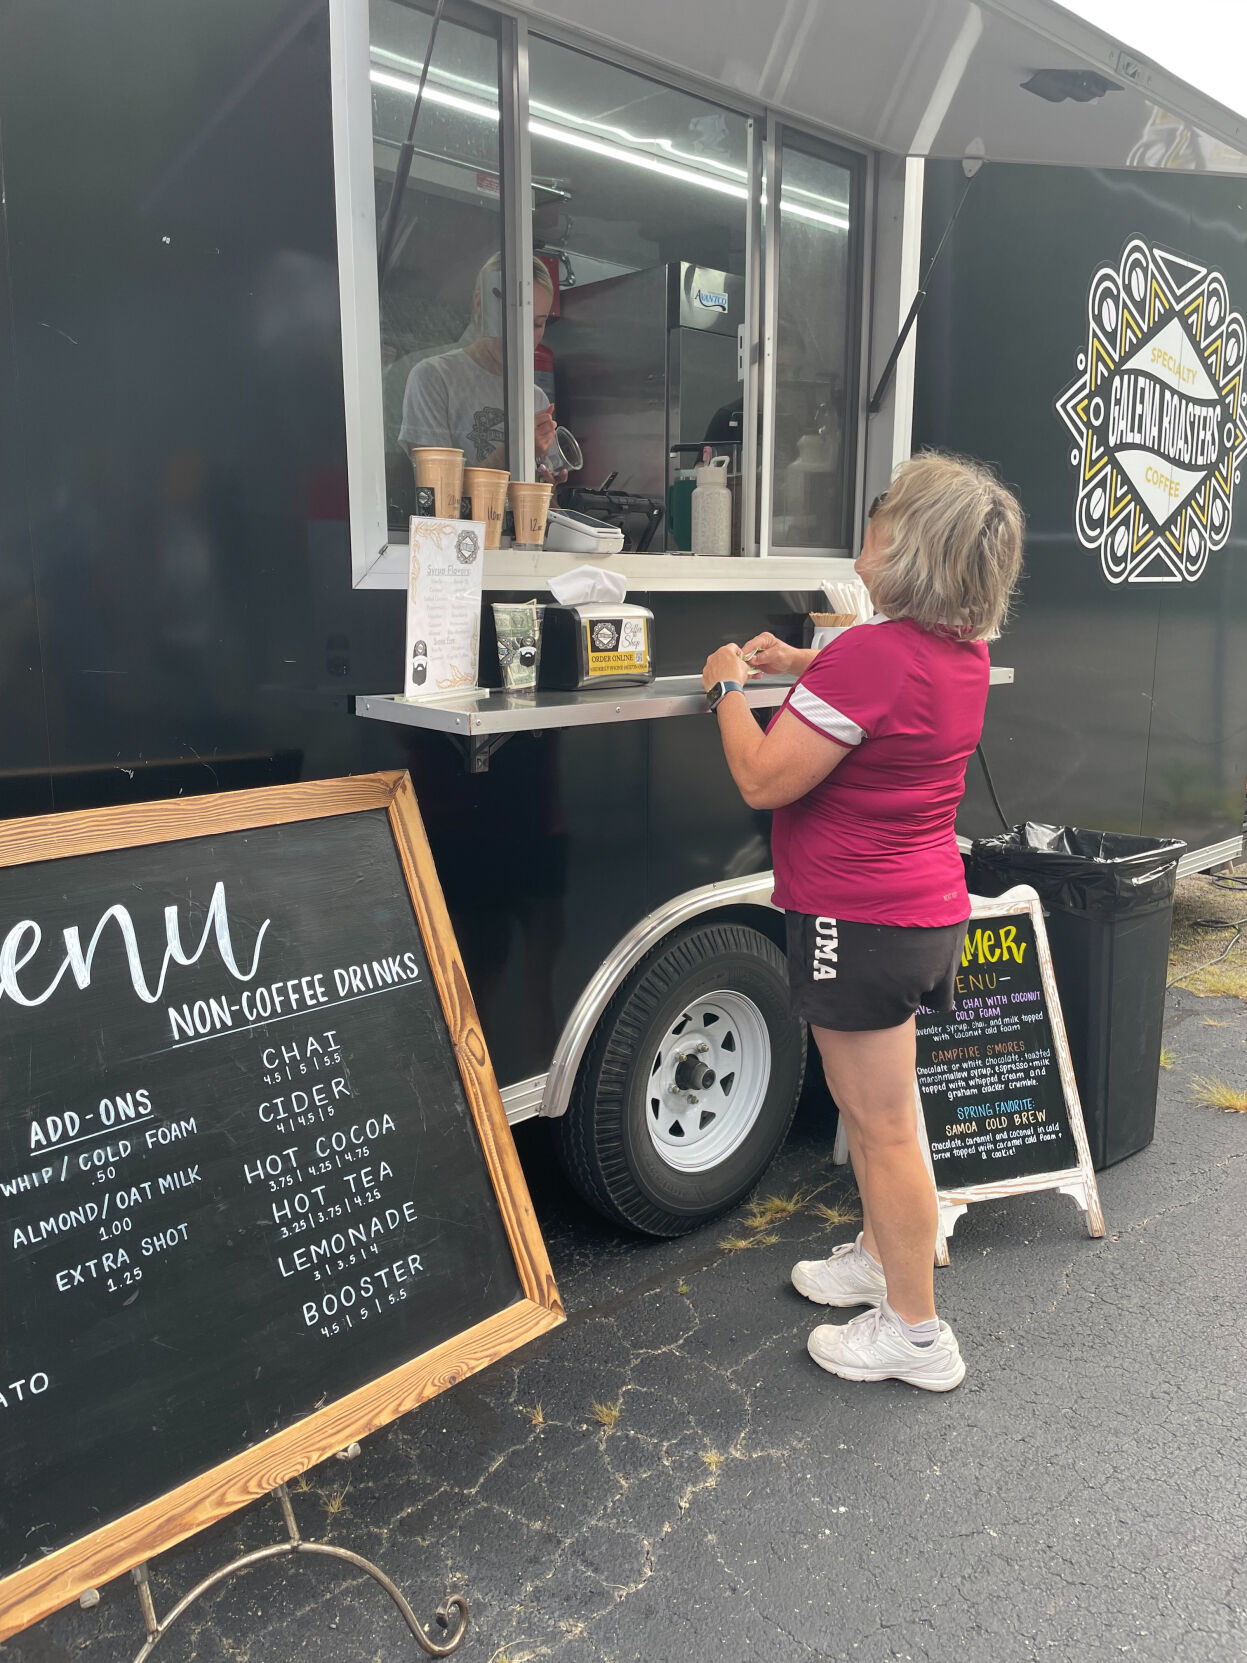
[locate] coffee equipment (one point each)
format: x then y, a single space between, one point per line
645 363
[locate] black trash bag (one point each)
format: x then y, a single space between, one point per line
1101 874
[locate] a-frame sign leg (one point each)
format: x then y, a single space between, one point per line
946 1217
1088 1198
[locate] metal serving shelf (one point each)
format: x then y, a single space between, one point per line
484 718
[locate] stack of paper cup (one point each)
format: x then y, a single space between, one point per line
486 490
441 468
530 507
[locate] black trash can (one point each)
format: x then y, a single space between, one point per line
1108 904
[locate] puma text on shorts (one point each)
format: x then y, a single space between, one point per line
850 976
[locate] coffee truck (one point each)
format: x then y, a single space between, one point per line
232 238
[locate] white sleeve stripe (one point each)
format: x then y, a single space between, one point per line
825 717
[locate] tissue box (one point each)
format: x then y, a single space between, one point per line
596 644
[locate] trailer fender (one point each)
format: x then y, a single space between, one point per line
753 890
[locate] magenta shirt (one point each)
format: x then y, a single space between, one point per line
875 841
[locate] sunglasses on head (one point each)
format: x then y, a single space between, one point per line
876 505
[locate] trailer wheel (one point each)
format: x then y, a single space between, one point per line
689 1085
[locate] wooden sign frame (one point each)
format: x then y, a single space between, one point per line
1077 1181
58 1578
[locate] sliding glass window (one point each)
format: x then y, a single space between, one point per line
815 319
443 339
640 207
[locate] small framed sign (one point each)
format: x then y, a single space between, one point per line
443 606
998 1108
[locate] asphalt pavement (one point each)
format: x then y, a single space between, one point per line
669 1478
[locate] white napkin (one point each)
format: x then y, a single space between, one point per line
587 583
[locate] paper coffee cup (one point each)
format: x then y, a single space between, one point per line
441 469
486 490
530 506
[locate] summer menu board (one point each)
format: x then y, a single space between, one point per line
988 1074
258 1191
999 1104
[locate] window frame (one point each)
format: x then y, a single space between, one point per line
377 562
857 165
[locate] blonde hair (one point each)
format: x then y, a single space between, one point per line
953 533
541 272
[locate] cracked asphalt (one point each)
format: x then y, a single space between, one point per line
1081 1496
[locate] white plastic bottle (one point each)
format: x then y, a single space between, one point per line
712 509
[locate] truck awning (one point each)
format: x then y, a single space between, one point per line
1013 80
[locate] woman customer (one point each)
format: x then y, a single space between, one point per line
864 765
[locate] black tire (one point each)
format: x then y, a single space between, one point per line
604 1141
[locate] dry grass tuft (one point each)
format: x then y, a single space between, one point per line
1166 1057
682 1287
838 1213
758 1214
334 1500
713 1459
1219 981
536 1415
1206 936
607 1415
1215 1094
736 1244
767 1240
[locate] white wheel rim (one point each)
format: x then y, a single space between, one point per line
694 1124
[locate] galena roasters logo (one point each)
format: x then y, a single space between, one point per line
1159 415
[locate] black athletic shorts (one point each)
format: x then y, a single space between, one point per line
851 977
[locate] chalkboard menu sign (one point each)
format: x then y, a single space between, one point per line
257 1191
999 1104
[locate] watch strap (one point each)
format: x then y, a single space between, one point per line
720 690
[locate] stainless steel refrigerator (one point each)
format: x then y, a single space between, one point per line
643 363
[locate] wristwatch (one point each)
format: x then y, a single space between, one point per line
719 690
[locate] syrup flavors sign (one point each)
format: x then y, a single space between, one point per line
1159 417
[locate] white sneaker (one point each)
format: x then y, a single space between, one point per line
873 1347
847 1278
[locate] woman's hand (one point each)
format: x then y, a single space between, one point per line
768 656
545 429
724 665
544 434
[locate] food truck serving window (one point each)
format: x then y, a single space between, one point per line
545 242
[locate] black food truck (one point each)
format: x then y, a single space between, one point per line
241 247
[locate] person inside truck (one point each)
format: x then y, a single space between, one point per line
457 398
864 766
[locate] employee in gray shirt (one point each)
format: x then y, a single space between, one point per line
456 398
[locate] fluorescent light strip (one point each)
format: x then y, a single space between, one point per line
599 147
434 95
635 158
567 118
